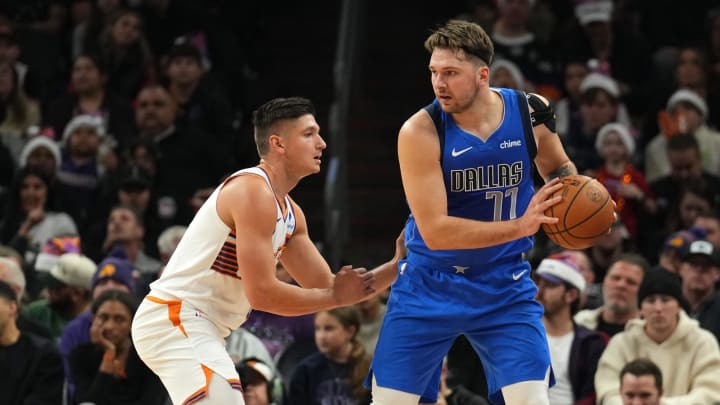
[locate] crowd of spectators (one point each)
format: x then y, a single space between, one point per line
118 118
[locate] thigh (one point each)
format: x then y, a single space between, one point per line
527 393
184 350
415 336
514 349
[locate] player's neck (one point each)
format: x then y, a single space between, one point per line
486 110
279 179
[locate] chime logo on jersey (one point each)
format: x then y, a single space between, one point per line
486 177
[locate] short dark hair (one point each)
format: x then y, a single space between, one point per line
184 50
681 142
634 258
273 111
640 367
462 35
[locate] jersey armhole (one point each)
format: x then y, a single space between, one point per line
436 115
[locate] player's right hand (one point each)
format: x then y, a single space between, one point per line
535 214
352 285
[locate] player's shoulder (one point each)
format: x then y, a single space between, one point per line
245 187
419 124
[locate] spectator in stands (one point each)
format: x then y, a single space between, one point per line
11 273
168 240
89 96
260 386
108 370
591 298
124 50
620 289
372 312
700 272
42 152
30 365
131 187
241 344
111 274
683 153
125 234
674 246
687 355
19 112
574 349
608 248
514 41
614 48
188 165
201 103
710 223
687 113
336 373
81 168
68 293
567 109
504 73
641 383
621 178
31 216
599 105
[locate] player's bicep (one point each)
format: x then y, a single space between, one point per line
253 214
419 157
302 260
551 160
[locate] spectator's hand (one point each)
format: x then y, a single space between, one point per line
33 217
631 191
96 337
352 285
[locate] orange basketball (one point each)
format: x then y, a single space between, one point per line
585 213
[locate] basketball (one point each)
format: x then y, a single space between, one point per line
585 213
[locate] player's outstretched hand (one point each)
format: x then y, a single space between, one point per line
535 214
352 285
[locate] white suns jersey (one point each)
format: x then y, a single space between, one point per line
203 270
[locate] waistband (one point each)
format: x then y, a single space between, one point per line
462 264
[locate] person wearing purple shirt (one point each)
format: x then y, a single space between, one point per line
112 273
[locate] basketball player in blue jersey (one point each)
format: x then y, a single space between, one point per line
466 163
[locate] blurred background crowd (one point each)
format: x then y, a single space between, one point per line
119 117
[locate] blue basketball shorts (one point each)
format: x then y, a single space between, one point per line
429 308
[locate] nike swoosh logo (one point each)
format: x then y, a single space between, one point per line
457 153
517 276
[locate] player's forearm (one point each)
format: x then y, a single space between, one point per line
461 233
566 169
289 300
385 275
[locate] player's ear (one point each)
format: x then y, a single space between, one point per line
483 74
276 141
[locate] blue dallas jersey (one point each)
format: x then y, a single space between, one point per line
485 181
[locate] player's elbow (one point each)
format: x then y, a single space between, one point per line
261 299
434 237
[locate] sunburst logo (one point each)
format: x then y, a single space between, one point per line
107 270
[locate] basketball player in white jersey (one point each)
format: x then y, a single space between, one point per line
225 264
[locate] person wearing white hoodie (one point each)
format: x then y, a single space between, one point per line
687 355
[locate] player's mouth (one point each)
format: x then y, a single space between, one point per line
318 158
